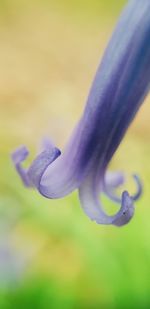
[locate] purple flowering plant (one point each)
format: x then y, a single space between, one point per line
120 86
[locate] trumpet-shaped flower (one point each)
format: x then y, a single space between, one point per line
120 86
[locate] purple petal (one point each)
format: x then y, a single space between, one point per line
32 176
111 194
18 156
89 196
59 182
114 180
39 166
128 210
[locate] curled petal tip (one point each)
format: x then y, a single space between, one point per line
139 189
32 176
19 155
91 203
46 144
110 192
39 166
127 210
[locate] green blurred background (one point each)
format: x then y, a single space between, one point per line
51 254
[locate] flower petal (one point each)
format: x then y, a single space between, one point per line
18 156
32 176
61 180
128 210
39 165
111 194
92 206
114 179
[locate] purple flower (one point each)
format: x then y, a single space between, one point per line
119 88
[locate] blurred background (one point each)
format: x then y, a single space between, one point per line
51 254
